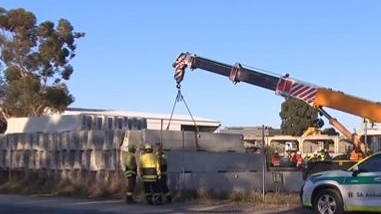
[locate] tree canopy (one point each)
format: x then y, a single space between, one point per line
34 64
297 116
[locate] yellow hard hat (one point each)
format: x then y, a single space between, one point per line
147 147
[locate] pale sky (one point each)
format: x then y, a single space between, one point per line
124 61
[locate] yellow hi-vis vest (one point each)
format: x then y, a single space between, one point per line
129 163
149 167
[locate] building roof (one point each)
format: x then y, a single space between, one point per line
147 115
95 119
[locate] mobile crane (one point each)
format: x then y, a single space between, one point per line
287 87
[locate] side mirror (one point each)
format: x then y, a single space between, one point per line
355 171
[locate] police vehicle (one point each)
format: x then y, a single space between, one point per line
355 189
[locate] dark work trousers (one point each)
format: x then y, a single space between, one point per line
131 182
151 192
163 187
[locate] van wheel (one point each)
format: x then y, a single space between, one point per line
328 201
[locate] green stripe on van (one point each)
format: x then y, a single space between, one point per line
350 180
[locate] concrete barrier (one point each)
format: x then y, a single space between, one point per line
192 141
205 162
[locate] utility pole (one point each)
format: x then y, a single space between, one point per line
264 163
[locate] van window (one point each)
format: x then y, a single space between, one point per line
371 165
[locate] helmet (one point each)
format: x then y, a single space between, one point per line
131 148
148 147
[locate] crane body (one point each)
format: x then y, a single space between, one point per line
287 87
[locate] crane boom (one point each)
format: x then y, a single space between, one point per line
236 73
285 86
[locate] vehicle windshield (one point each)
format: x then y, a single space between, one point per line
369 164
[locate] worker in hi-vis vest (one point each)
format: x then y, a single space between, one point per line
149 171
130 170
162 182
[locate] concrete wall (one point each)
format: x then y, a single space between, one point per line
190 141
213 161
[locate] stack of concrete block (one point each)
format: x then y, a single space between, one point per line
195 160
64 123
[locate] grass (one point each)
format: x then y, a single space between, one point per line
115 189
256 198
63 188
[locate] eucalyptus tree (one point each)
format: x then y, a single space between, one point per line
34 64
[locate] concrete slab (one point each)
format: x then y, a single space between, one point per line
192 161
